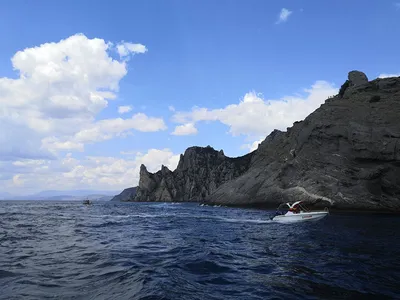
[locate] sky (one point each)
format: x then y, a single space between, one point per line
90 90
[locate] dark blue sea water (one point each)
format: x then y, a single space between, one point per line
110 250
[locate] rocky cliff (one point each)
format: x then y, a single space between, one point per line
199 173
346 153
126 195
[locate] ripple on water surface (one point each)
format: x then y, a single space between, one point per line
65 250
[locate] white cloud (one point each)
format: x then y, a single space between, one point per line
54 144
124 109
29 162
124 49
141 122
104 130
60 89
385 75
253 146
91 172
171 108
130 153
17 180
154 158
254 116
284 15
186 129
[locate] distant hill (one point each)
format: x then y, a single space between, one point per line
72 198
52 193
126 195
105 198
62 195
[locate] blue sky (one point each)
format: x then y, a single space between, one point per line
219 69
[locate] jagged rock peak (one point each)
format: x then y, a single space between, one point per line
357 78
197 149
200 171
164 169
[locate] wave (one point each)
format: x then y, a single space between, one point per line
168 251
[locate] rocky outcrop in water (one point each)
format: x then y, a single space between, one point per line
346 153
199 173
126 195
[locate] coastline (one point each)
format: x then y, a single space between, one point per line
263 206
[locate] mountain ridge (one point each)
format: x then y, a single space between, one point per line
345 154
61 195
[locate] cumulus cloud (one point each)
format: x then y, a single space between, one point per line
154 158
95 172
104 130
284 15
124 49
124 109
254 116
386 75
54 144
185 129
59 91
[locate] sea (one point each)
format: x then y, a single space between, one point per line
66 250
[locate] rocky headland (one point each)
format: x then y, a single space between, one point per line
126 195
345 154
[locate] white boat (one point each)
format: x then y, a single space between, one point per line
290 213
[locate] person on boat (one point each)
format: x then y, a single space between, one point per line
295 209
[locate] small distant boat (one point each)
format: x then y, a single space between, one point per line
296 212
87 202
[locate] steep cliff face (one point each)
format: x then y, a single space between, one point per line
347 153
199 173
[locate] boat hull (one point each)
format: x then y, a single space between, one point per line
301 217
